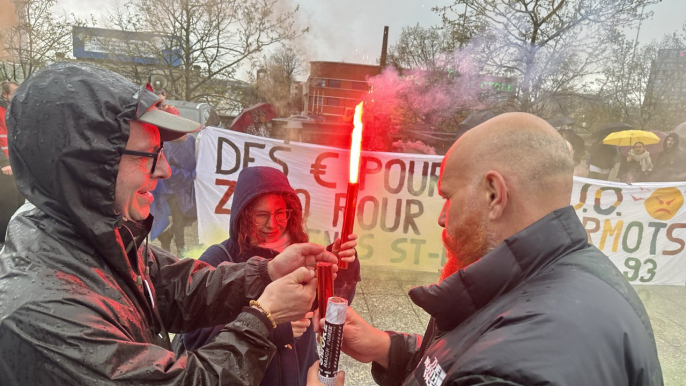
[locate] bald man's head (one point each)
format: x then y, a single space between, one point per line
504 175
521 145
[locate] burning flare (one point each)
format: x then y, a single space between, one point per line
356 144
353 187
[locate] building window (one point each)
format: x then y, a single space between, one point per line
316 100
335 83
332 101
320 83
360 86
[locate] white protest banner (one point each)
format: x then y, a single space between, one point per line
642 228
398 202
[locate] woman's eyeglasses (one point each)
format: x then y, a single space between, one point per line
281 216
155 156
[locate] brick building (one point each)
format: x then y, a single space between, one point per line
333 89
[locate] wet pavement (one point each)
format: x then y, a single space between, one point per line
381 298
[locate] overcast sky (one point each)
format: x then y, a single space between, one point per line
352 30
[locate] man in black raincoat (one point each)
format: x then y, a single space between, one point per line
83 301
524 299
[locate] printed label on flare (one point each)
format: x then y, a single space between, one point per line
331 349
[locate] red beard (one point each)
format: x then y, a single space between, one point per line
466 247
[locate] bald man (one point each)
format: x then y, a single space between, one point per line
523 299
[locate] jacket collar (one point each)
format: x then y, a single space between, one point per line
133 235
509 264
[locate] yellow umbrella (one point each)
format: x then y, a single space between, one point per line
630 137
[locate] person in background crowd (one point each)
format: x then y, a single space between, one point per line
670 163
162 104
10 198
268 217
175 196
523 298
601 160
83 299
637 165
7 88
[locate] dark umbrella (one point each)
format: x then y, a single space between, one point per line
610 128
260 113
560 121
577 142
473 120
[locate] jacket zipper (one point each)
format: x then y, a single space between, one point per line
427 341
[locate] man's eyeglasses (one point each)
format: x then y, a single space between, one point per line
155 156
281 216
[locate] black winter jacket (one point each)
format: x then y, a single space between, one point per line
543 308
82 300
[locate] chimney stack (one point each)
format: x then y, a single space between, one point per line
384 47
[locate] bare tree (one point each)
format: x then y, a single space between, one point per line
551 46
201 44
420 48
280 70
635 83
34 40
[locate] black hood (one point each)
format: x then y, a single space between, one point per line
675 136
252 182
67 126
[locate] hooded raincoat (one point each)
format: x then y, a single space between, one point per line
294 356
82 300
670 164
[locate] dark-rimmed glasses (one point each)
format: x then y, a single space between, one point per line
154 155
281 216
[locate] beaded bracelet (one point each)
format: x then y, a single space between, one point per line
254 303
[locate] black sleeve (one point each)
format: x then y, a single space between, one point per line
238 355
403 356
192 295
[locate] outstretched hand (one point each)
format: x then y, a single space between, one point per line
299 255
313 380
361 341
346 251
289 298
300 326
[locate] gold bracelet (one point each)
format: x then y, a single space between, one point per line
254 303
